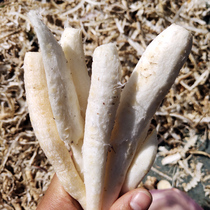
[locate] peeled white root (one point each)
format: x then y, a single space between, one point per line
61 89
44 126
71 43
72 46
103 101
147 86
141 163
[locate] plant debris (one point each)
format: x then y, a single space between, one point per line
182 120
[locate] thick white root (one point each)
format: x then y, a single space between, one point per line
45 129
147 86
100 115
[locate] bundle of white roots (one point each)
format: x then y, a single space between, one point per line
105 128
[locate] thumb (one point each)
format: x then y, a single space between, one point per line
138 199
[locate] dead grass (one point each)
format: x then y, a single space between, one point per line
182 120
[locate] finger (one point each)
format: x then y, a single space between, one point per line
138 199
57 198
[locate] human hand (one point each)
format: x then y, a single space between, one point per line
57 198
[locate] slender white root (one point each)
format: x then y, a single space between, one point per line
149 83
45 129
62 93
71 43
100 115
141 163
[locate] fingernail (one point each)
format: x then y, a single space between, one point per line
140 201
